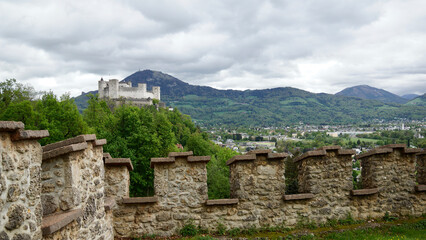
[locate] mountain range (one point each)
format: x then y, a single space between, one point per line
274 107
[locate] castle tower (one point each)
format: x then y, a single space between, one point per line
101 88
156 92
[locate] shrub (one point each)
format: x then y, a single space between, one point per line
221 229
188 229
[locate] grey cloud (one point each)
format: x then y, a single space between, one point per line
320 46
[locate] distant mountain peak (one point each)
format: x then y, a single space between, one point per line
368 92
410 96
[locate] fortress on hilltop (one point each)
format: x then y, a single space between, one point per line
118 91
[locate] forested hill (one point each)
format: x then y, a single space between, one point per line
277 106
367 92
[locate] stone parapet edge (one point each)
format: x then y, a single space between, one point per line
420 188
375 152
260 151
69 141
162 160
300 196
364 192
198 158
140 200
315 153
119 162
247 157
277 155
99 142
389 149
56 221
10 126
218 202
21 134
180 154
64 150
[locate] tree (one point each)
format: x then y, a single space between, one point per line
12 91
60 117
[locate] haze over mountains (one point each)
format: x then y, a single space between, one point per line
277 106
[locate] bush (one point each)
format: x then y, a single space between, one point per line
388 218
188 229
221 229
234 232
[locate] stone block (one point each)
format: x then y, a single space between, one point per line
10 126
55 222
20 135
219 202
64 150
70 141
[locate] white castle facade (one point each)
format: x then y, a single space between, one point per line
115 90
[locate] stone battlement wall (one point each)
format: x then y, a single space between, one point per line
52 192
257 191
113 89
73 190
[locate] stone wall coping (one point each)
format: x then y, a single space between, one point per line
260 151
29 135
374 152
64 150
412 150
322 151
216 202
300 196
119 162
106 156
422 152
346 152
162 160
277 155
100 142
140 200
109 203
389 149
333 147
199 158
246 157
180 154
397 145
56 221
10 126
364 192
420 188
70 141
315 153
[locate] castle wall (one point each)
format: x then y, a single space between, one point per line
73 182
389 173
327 174
72 190
257 192
114 90
20 204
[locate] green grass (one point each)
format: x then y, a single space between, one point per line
406 229
355 139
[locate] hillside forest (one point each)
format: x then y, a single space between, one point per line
131 132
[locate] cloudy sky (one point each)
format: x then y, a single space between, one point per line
319 46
